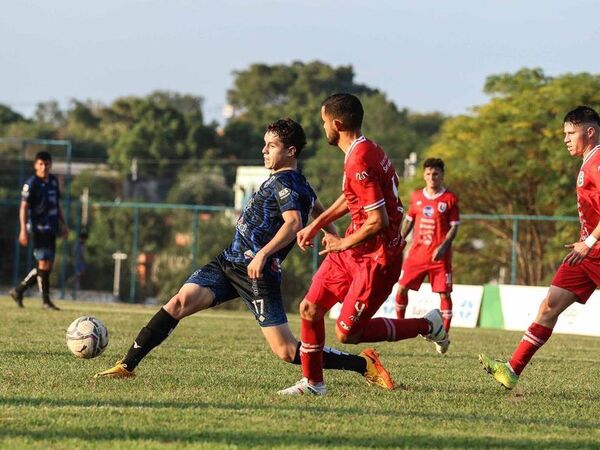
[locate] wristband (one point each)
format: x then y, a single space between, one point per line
590 241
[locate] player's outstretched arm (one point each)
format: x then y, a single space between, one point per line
407 227
292 223
319 209
377 220
338 209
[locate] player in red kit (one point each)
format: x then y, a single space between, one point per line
579 274
360 268
433 214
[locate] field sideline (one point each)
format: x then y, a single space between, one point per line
212 384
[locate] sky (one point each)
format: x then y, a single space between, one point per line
424 55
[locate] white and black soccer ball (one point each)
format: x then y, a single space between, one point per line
87 337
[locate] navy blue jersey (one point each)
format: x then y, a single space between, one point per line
42 198
262 217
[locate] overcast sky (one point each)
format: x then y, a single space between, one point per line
425 55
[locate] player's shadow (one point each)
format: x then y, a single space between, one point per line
272 437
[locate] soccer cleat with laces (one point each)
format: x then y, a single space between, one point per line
376 374
442 346
304 387
17 297
119 371
437 333
500 370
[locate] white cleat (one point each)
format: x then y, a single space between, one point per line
442 346
304 387
437 334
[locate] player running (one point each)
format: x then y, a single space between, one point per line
250 267
41 214
433 213
361 268
579 274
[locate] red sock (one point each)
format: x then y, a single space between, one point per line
401 304
377 330
312 335
446 310
532 340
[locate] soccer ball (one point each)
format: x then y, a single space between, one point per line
87 337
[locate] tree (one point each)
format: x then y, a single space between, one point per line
508 158
7 115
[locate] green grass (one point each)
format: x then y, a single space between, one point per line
212 384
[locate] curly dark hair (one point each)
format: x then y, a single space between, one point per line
289 132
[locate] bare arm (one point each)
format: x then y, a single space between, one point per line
292 223
318 209
335 211
444 246
407 227
579 250
376 221
23 216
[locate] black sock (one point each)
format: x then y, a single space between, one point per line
43 277
338 360
28 281
152 335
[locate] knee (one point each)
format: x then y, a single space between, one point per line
310 311
285 353
546 312
177 306
45 265
346 338
402 291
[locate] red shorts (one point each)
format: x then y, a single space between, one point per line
360 284
414 272
581 279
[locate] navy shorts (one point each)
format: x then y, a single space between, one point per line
44 246
229 280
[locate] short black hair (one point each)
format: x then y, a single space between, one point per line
345 108
434 163
289 132
582 115
44 156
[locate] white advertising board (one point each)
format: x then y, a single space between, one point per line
466 301
520 305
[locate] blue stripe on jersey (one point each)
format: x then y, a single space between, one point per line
262 216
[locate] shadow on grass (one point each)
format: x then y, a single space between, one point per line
317 409
273 438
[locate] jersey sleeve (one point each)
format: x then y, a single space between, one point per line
454 213
362 177
287 197
26 191
412 209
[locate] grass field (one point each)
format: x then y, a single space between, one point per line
212 384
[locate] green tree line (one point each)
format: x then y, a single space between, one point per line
503 157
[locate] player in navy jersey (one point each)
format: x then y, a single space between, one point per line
40 213
250 267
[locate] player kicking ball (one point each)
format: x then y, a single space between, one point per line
434 216
250 267
579 274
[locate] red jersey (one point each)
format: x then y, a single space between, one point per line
433 216
588 197
370 181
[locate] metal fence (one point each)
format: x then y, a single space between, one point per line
163 243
